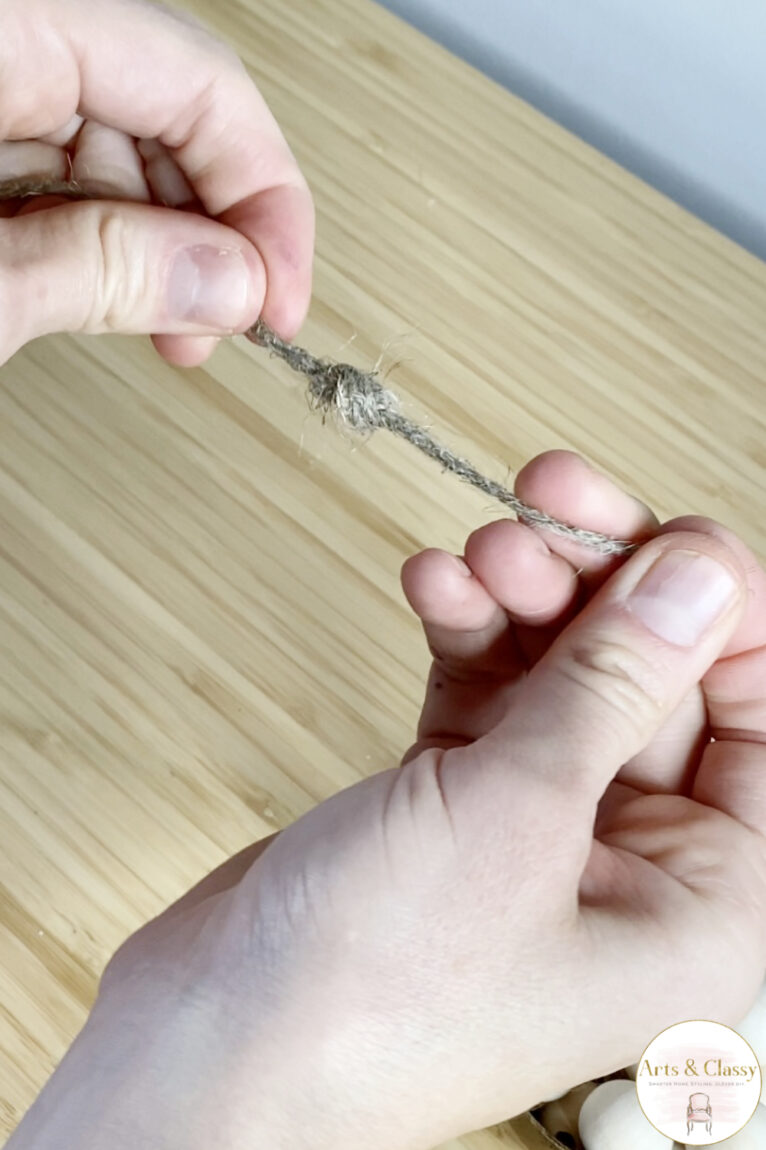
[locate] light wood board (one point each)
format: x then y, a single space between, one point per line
201 628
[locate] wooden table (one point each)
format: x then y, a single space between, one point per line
201 628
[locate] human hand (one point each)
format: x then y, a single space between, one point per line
148 110
563 867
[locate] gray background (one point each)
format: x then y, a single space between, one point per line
675 90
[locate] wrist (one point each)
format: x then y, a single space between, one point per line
128 1081
184 1075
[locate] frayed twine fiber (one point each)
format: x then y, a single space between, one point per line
359 401
13 189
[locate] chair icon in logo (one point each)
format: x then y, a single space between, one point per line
699 1110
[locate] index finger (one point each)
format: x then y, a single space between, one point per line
148 72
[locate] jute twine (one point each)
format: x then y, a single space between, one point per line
357 400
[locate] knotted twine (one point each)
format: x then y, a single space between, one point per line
357 400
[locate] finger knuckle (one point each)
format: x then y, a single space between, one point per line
419 808
628 686
120 275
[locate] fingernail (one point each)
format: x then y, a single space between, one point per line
681 595
209 286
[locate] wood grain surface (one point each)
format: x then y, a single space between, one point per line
202 633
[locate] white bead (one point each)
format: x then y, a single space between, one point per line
753 1025
753 1137
611 1119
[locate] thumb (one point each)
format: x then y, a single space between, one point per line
615 674
98 266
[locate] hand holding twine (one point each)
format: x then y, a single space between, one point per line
359 401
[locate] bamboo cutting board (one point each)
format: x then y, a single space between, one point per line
201 628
